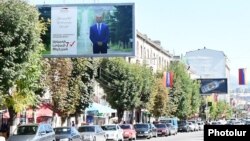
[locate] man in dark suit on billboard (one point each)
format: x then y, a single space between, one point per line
99 35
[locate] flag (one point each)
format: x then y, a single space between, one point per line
169 79
242 76
164 79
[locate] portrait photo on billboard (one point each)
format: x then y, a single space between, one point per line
88 30
209 86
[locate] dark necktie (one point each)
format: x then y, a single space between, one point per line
99 28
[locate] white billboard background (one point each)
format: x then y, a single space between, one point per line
63 31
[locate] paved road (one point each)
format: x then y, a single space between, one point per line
192 136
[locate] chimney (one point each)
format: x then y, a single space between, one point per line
157 42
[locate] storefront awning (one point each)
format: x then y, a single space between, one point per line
100 108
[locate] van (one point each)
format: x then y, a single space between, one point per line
33 132
173 121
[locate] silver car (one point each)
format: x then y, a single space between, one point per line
67 134
33 132
92 133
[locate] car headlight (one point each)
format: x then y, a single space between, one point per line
146 132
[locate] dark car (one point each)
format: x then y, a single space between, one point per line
162 129
67 133
145 130
183 126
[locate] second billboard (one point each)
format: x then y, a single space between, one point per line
93 30
209 86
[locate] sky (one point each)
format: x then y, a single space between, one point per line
187 25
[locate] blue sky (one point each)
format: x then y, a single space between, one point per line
186 25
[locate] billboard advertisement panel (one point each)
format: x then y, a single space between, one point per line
209 86
88 30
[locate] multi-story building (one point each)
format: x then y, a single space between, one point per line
209 64
150 52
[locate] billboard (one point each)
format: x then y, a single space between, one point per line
209 86
88 30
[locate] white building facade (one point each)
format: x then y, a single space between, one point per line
209 64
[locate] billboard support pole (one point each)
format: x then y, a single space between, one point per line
206 111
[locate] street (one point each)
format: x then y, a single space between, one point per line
191 136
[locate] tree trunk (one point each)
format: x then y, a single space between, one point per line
11 126
132 116
76 119
63 119
120 113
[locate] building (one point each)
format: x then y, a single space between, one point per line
150 52
209 64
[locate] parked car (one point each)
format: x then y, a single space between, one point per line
146 130
113 132
172 130
33 132
201 125
92 133
196 126
183 126
162 129
191 126
128 131
67 133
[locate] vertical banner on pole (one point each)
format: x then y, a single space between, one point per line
164 79
242 76
169 80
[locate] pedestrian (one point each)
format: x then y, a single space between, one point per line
73 124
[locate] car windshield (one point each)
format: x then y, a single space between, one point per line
27 130
86 129
182 122
160 125
109 127
169 125
125 126
62 130
141 126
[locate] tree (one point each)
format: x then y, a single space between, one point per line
20 54
81 85
123 84
59 76
121 18
158 106
182 91
195 98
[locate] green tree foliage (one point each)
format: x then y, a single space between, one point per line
59 76
181 92
20 54
220 109
147 82
125 84
122 17
81 85
195 98
159 99
184 94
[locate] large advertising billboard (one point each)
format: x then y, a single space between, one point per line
209 86
89 30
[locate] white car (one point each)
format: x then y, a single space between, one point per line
201 125
191 126
113 132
